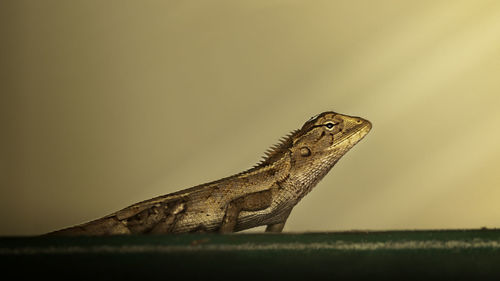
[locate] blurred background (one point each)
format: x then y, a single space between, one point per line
107 103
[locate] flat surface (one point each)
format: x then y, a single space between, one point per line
456 254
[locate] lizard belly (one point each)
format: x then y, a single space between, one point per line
202 215
198 222
206 212
205 209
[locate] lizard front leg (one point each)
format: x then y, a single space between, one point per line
278 227
251 202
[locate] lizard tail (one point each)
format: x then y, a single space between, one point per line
99 227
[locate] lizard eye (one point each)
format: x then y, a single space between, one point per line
330 125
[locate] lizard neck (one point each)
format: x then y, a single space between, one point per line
301 182
306 173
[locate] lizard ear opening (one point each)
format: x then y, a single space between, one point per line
305 151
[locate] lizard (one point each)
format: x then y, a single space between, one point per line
262 195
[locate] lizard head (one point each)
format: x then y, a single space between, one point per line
324 139
320 143
329 131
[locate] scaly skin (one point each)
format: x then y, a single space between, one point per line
262 195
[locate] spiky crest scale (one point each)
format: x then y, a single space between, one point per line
277 150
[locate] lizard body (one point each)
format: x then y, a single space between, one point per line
262 195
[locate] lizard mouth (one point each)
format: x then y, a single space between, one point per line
353 136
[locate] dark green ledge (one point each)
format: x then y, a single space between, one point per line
406 255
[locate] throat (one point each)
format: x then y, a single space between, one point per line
302 182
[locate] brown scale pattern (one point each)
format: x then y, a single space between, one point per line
262 195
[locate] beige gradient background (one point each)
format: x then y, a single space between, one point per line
106 103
